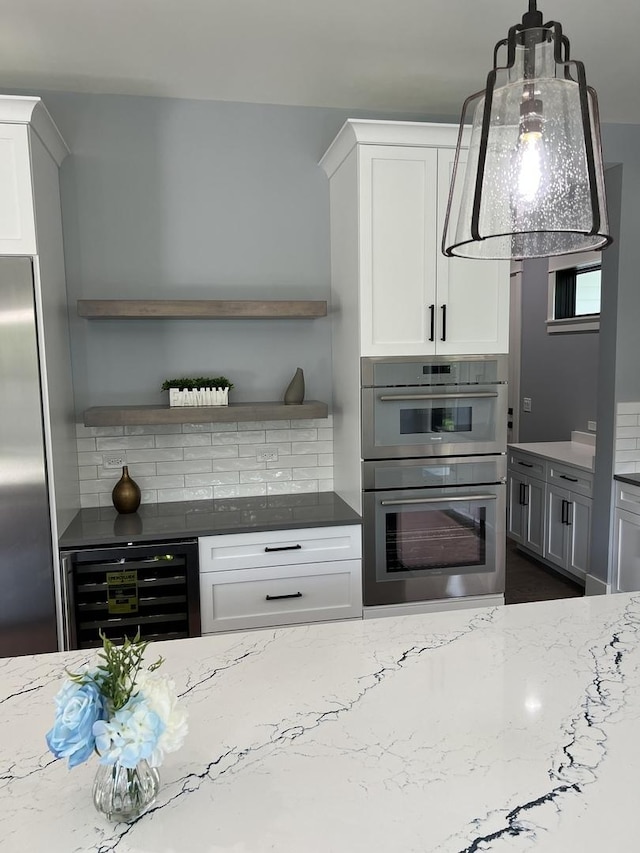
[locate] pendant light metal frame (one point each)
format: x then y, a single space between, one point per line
532 22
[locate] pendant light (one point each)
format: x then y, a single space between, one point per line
534 181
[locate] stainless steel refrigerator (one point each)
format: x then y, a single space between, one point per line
28 622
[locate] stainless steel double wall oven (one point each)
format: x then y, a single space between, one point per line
434 477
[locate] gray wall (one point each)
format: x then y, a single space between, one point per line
558 372
619 376
168 198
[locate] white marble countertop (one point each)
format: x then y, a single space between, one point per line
503 729
568 452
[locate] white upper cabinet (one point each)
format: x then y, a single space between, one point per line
17 220
392 181
22 121
398 248
475 292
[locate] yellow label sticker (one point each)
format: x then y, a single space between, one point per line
122 589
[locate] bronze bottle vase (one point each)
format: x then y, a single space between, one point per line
126 493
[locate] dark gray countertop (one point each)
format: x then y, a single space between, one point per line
187 519
632 479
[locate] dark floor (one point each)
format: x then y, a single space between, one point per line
529 580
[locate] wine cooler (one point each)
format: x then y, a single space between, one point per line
152 588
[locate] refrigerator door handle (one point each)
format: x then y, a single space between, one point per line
70 640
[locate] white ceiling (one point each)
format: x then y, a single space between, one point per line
419 56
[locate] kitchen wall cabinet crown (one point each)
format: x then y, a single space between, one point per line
389 187
25 125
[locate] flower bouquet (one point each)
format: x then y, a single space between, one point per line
126 713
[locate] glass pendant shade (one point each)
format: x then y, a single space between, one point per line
533 185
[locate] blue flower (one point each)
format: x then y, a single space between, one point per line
78 707
130 735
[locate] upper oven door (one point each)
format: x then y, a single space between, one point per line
444 421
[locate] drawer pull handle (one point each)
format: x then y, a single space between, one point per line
279 597
570 479
283 548
525 464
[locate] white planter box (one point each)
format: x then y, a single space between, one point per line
199 397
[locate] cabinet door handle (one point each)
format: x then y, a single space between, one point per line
564 511
521 494
280 597
283 548
432 322
570 479
525 493
569 513
525 464
444 323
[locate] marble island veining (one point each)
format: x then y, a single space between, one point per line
503 729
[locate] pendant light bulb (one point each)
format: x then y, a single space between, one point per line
529 159
533 184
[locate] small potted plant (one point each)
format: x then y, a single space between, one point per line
199 391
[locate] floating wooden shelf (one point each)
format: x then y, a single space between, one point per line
135 415
223 309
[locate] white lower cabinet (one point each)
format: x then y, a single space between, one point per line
626 539
549 511
568 531
525 520
254 580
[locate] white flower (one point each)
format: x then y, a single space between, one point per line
159 694
130 735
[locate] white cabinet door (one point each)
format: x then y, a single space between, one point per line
398 249
568 531
558 504
578 536
280 595
534 532
525 511
626 551
516 508
473 295
17 223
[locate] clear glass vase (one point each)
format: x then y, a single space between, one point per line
123 794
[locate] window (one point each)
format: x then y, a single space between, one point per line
574 293
577 292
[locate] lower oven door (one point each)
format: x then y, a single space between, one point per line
426 544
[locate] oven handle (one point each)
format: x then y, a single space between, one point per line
390 398
439 500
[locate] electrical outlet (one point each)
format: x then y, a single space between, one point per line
526 404
114 460
591 426
267 454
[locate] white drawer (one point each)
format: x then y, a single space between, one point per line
525 463
257 598
628 497
573 479
279 548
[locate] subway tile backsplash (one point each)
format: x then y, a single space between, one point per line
176 462
627 458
